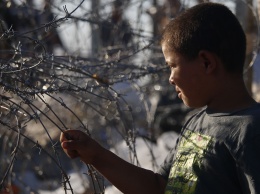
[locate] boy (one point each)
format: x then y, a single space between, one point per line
218 150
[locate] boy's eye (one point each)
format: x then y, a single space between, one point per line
172 66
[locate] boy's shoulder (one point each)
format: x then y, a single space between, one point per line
241 125
253 110
243 115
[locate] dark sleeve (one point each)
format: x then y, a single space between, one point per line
165 167
249 166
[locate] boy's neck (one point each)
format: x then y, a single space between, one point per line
231 96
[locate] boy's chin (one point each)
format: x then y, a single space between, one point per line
192 104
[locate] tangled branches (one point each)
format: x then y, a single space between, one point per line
43 94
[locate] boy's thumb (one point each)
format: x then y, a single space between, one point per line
69 145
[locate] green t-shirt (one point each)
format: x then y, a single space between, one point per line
217 153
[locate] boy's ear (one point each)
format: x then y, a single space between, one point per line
209 61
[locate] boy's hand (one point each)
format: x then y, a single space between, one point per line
115 169
76 143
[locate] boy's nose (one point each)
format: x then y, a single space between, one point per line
171 81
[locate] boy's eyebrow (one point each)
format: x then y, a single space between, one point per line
169 63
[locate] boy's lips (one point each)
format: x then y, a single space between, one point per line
179 95
178 92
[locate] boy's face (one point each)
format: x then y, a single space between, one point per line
188 77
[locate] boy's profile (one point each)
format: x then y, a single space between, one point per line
219 147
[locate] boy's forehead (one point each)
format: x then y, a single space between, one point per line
165 48
173 57
168 53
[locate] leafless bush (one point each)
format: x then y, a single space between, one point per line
43 93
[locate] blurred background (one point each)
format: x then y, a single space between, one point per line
96 66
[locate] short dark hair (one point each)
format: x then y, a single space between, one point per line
208 26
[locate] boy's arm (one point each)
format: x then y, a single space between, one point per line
248 161
127 177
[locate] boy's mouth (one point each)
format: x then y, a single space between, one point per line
178 92
179 95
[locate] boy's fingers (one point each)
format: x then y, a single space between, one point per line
66 135
66 145
70 142
62 137
72 153
69 145
70 135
